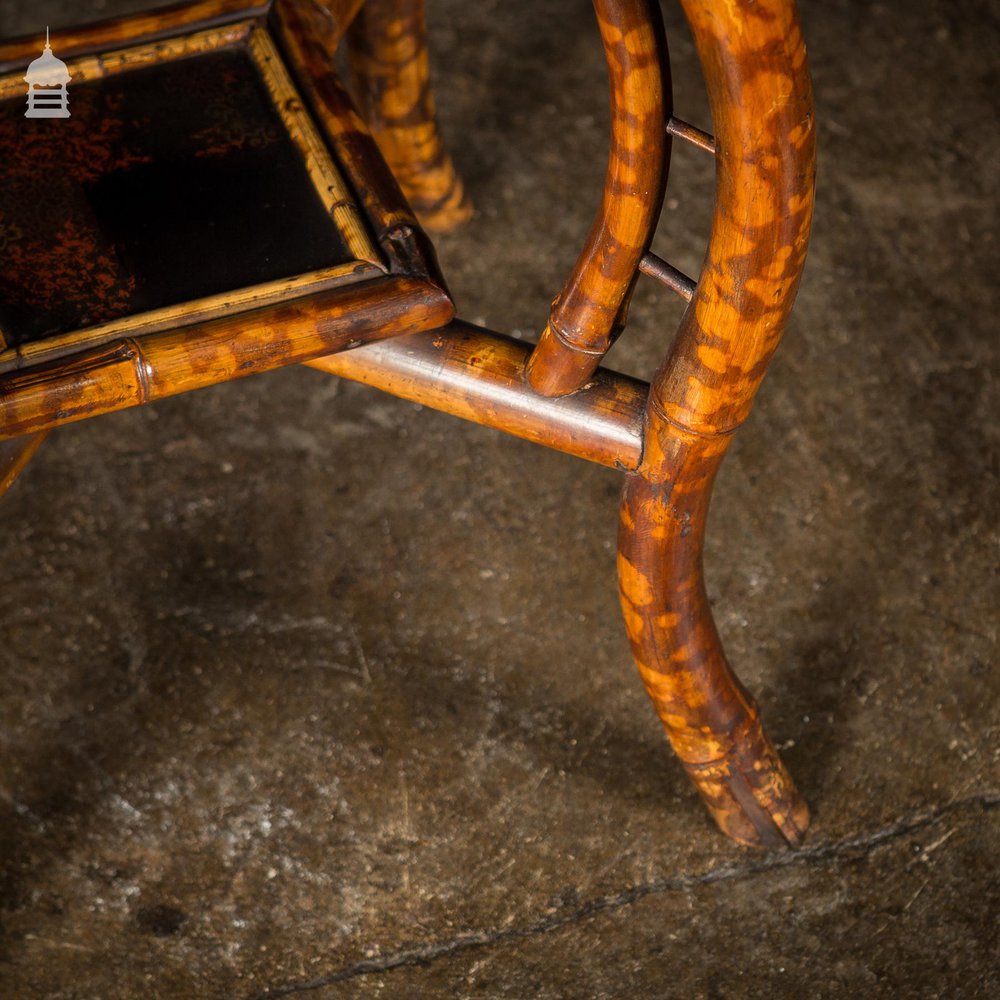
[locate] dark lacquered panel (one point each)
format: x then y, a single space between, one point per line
167 183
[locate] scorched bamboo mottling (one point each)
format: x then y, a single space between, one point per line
390 66
135 371
755 66
590 311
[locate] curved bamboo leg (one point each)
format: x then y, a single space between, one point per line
388 56
711 720
758 83
589 313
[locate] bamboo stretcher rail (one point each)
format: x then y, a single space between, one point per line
478 375
132 29
138 370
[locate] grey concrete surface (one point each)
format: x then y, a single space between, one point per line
306 691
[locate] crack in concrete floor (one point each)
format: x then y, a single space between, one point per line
853 848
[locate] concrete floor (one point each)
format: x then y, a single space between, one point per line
307 691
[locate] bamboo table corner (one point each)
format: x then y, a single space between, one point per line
668 437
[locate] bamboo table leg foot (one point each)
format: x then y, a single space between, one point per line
749 793
711 720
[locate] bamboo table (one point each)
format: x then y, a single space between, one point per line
96 315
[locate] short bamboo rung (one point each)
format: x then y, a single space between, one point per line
689 133
666 274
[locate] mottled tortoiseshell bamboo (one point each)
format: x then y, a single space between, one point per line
590 311
131 29
758 83
387 46
139 370
400 237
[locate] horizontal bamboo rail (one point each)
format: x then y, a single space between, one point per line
132 29
478 375
135 371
